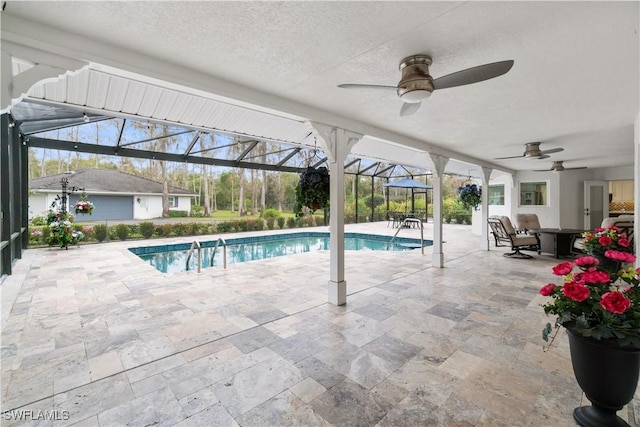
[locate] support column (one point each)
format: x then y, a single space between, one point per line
338 144
636 186
439 163
486 175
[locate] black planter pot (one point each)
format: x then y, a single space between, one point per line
608 375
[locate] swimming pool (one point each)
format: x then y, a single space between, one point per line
173 258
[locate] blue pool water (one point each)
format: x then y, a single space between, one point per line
172 258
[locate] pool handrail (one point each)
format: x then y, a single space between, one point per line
195 245
402 225
224 252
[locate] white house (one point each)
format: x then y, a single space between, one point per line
116 195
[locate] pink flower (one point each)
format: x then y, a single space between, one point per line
604 240
576 291
615 302
599 230
624 242
586 261
547 290
620 256
595 277
562 268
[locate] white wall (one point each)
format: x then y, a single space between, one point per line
150 206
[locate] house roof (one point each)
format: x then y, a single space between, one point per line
104 180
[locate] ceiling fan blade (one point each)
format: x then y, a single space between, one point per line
569 169
540 157
359 86
510 157
409 108
552 150
473 75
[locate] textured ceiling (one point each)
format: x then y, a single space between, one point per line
575 82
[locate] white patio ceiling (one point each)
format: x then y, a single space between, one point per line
267 68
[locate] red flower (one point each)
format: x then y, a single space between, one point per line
594 277
624 242
563 268
615 302
620 256
576 291
598 230
547 290
586 261
604 240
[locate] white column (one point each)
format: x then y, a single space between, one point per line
486 175
439 163
636 188
338 143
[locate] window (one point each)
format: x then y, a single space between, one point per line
173 202
533 194
496 195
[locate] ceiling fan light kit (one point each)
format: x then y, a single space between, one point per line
416 84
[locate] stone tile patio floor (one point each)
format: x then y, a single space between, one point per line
93 336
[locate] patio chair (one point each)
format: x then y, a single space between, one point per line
505 235
527 223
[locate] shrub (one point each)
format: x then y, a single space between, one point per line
271 223
281 221
146 229
240 225
319 220
179 229
38 220
291 222
100 231
272 213
111 232
225 227
258 224
164 230
251 224
173 213
133 229
197 211
88 231
122 231
46 233
34 235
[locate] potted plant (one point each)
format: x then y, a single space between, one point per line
62 233
599 305
312 190
470 195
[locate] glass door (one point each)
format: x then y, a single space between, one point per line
596 203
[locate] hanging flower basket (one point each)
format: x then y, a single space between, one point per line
470 195
84 207
312 190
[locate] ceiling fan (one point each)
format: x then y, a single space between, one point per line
532 151
557 166
416 84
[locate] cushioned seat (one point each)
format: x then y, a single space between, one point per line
527 222
505 235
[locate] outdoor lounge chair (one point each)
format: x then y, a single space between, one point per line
527 223
505 235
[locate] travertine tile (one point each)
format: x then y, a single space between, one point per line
117 342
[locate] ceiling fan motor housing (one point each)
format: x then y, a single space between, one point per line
416 83
532 150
